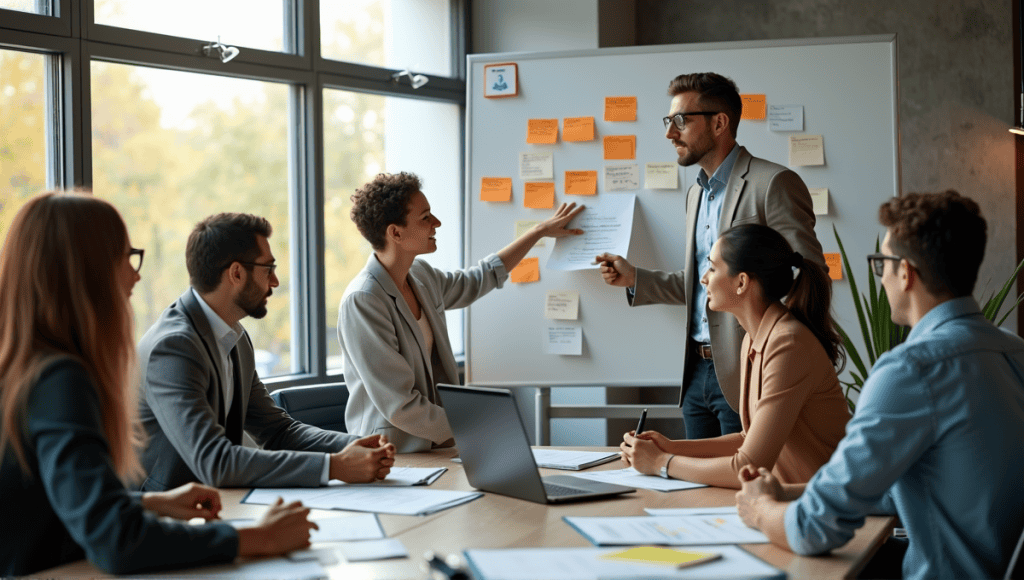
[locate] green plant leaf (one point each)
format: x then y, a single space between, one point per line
851 351
996 302
1012 308
856 294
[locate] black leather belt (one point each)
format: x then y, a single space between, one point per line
703 350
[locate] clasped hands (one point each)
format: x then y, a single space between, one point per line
363 460
646 452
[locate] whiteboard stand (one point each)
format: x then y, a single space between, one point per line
545 411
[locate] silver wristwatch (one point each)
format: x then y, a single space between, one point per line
664 468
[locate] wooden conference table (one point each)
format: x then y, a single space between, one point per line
496 521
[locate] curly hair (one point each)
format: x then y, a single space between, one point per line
942 235
381 203
716 92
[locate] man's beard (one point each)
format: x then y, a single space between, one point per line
251 300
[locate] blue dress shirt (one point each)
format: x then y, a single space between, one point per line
937 436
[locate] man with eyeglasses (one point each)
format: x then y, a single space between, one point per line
201 392
733 187
936 438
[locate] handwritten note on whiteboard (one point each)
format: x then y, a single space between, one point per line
607 225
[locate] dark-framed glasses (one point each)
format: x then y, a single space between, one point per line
135 258
877 262
679 119
272 267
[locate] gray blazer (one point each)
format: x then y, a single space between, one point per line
191 435
390 375
758 192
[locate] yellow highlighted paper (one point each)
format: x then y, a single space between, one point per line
578 129
527 271
496 189
581 182
834 263
539 194
754 107
620 108
542 131
656 555
620 147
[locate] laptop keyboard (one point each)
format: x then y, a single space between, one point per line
555 490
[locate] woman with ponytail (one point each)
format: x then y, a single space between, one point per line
791 406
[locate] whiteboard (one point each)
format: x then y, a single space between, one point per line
848 89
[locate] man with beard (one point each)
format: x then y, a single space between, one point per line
732 188
201 392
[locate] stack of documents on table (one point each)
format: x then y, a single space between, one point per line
633 478
403 501
572 460
666 530
594 564
337 529
263 569
404 476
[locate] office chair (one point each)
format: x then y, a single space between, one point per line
1016 567
318 405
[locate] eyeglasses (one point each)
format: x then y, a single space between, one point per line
271 266
877 262
679 119
135 258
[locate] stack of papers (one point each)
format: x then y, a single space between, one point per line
588 564
403 476
633 478
572 460
403 501
666 530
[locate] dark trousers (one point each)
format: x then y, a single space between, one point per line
706 413
887 561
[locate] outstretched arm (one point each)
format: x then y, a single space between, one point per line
553 227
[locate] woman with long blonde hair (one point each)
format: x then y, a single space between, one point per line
68 429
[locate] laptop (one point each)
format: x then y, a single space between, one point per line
496 453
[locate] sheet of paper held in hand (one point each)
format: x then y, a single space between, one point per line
607 225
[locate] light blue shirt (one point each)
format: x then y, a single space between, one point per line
938 436
709 213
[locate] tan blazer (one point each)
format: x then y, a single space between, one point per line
792 408
390 375
758 192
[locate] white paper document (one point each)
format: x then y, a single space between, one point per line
522 226
269 569
786 117
587 564
536 166
403 501
607 225
336 529
563 340
692 511
562 305
373 550
666 530
661 175
819 197
572 460
622 177
633 478
806 150
402 477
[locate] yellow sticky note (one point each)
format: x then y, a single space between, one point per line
578 129
527 271
656 555
620 147
542 131
562 305
754 107
496 189
819 199
581 182
834 263
523 226
539 194
620 108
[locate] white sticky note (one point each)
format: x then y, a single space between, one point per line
522 226
563 340
806 150
562 305
536 166
661 175
819 196
786 117
622 177
373 550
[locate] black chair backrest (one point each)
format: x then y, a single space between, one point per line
1016 567
318 405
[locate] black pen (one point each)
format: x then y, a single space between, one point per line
640 425
441 566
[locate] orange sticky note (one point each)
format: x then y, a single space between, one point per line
542 131
539 194
581 182
578 129
754 107
834 263
496 189
620 108
527 271
620 147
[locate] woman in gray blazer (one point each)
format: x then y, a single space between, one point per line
68 416
391 323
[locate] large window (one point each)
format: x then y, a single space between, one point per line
120 97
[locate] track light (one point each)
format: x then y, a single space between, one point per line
224 52
416 81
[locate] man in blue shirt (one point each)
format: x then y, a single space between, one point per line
938 431
733 187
